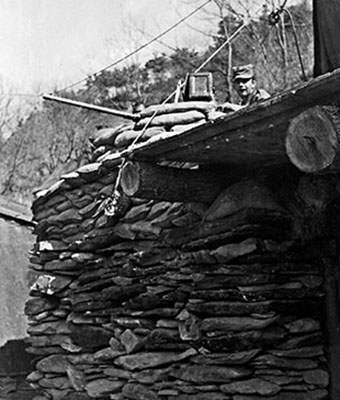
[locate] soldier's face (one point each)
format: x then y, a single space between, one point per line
245 87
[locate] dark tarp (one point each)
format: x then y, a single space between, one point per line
326 19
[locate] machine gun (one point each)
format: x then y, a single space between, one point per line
87 106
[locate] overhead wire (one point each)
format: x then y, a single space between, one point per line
138 49
225 43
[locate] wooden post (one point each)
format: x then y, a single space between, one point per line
152 181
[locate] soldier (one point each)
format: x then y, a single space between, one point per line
246 87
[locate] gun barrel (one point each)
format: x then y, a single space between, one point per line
92 107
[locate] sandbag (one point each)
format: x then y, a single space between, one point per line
186 127
106 136
169 120
242 195
100 151
124 139
203 106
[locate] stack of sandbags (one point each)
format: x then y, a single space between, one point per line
157 121
171 300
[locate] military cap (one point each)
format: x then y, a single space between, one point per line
243 72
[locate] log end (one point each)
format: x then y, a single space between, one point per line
312 140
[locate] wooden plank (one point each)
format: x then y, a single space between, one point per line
241 137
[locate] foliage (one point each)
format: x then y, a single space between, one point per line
53 138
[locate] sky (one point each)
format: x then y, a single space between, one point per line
50 44
46 43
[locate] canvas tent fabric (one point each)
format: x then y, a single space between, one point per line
326 16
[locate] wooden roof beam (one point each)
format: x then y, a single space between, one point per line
152 181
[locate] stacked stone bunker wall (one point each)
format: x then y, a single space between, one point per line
163 302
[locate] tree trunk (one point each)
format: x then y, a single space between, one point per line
151 181
312 140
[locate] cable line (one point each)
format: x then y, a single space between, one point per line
132 53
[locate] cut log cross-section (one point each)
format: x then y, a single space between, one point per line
151 181
312 141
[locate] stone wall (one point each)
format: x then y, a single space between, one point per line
171 300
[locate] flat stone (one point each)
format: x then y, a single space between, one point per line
139 392
166 323
319 394
303 352
242 341
76 378
77 396
311 339
239 358
136 213
151 359
296 388
235 323
311 281
227 308
48 340
34 376
37 305
130 341
81 359
303 325
168 392
117 373
90 336
251 386
61 265
48 284
65 217
189 326
115 344
51 245
271 361
281 380
150 376
102 387
49 328
118 294
57 394
107 354
45 351
201 396
54 363
318 377
233 250
210 374
55 383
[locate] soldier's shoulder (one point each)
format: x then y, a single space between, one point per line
262 95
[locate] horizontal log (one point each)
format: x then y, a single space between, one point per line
151 181
312 141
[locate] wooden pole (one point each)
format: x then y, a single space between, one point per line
151 181
312 141
87 106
